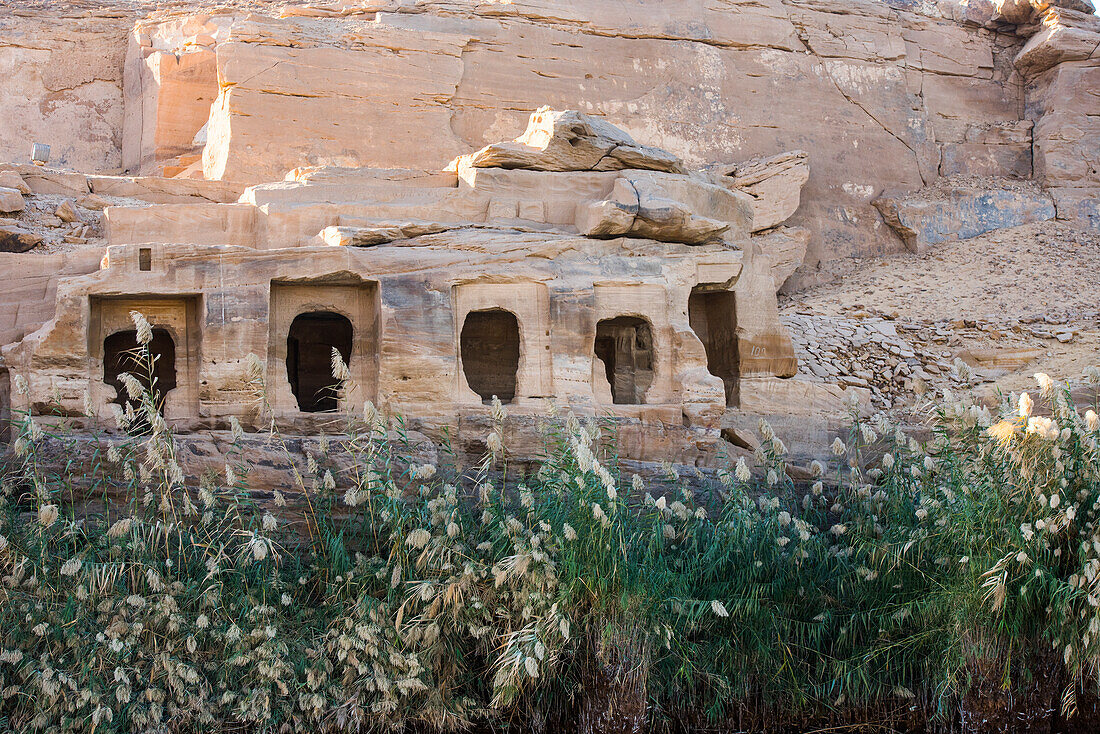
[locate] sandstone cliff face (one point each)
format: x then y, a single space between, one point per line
874 92
631 270
62 85
572 267
886 97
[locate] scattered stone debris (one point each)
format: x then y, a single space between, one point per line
997 302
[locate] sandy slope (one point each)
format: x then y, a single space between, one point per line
1004 291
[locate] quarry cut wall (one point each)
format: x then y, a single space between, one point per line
887 97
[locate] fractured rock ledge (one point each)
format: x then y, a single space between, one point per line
570 141
667 207
775 184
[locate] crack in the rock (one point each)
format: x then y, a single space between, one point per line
637 208
228 84
891 133
800 32
595 166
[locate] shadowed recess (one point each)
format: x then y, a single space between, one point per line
309 347
120 355
490 354
625 345
713 318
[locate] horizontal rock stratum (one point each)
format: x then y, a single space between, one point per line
885 97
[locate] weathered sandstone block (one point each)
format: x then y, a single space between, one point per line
66 211
11 200
158 190
12 180
42 180
951 212
1058 43
668 207
379 233
229 224
771 396
775 184
14 238
785 248
1018 12
1078 205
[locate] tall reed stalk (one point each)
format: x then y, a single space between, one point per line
946 584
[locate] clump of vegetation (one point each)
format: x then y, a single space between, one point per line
910 583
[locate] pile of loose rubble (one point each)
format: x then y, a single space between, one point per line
49 222
868 353
1000 303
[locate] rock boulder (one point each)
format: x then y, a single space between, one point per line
12 180
668 207
959 211
16 239
11 201
571 141
775 184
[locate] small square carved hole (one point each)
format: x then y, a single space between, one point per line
145 258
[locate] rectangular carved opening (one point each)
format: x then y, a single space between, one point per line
154 366
490 346
309 347
172 377
502 342
306 321
624 345
713 317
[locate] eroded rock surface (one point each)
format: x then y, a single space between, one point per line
449 288
774 183
839 129
668 207
571 141
959 210
883 96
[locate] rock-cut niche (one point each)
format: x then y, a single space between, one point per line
122 353
713 317
490 353
625 346
309 346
